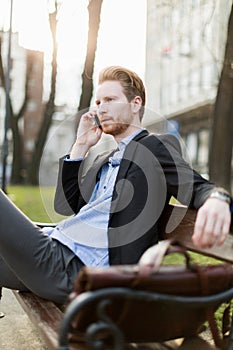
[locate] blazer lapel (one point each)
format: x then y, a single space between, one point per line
129 154
89 172
127 160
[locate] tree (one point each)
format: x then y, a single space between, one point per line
14 119
221 144
94 11
27 171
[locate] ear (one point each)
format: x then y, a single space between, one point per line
136 104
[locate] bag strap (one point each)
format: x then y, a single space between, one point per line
152 259
210 315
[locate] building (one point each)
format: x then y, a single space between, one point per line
34 112
184 55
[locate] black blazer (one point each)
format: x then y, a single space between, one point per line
151 171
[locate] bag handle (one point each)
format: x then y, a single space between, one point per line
152 259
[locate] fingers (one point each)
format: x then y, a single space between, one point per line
88 127
88 120
212 223
88 134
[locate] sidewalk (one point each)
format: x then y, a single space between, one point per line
16 330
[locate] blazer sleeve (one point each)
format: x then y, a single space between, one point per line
68 199
76 182
183 182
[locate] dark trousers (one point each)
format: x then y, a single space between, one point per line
31 260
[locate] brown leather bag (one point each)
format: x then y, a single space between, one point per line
145 320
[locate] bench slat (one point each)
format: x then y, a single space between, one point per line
44 314
182 226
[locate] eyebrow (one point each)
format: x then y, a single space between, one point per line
106 97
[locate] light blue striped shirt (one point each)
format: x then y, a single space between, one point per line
86 233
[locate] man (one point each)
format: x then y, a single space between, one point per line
117 199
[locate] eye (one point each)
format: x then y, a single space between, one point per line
109 99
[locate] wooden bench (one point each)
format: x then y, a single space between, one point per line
44 314
47 317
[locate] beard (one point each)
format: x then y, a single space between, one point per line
115 129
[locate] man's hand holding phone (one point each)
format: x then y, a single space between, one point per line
88 134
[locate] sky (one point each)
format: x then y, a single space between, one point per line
121 40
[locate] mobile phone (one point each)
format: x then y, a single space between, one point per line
97 121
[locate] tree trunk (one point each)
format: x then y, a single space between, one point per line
222 134
17 174
17 143
94 11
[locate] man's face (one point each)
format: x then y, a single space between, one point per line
114 110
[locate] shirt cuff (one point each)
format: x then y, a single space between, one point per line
67 159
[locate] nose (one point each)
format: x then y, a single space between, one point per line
102 108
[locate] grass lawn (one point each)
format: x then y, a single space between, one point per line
35 202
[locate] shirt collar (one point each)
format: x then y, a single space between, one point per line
124 142
117 156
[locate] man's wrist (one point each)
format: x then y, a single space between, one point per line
78 150
221 195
